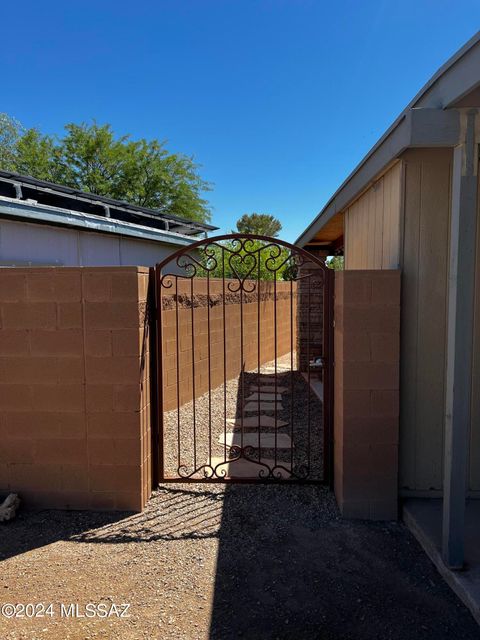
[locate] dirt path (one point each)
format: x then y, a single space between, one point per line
245 561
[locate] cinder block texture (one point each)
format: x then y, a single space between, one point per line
309 314
75 387
214 340
367 356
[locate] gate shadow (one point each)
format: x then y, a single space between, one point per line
266 576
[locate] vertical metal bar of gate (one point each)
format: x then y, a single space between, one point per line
204 471
224 361
259 386
328 341
194 414
275 352
291 374
153 321
160 372
177 377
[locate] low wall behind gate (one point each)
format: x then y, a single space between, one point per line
74 387
217 325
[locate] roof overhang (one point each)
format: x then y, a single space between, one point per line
12 209
428 121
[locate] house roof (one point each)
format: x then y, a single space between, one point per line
27 198
429 120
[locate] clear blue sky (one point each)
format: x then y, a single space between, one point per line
277 99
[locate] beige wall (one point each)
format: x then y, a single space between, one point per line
285 306
474 467
404 218
424 309
372 224
74 387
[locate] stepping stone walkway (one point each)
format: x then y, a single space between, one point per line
268 388
265 396
264 378
245 469
267 440
252 422
264 406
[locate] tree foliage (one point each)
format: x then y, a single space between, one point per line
91 158
336 262
250 259
261 224
10 132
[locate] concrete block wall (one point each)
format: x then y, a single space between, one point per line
310 314
74 387
366 388
286 308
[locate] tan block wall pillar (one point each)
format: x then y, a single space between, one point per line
367 353
74 387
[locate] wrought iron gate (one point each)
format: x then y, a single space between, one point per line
244 352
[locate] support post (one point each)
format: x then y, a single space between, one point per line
461 293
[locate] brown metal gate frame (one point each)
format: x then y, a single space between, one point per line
193 267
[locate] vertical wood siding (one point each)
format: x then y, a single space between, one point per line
404 220
474 470
372 224
424 309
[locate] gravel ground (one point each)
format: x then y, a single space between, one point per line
198 425
259 562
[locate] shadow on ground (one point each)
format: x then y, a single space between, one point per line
288 566
34 529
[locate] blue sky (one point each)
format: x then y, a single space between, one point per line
278 100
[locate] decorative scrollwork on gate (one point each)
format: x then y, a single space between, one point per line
208 296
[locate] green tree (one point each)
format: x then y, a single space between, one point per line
336 262
261 224
252 260
36 156
90 157
10 132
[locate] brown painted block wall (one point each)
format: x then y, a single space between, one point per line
367 354
209 321
74 387
310 314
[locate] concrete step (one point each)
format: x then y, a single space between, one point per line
245 469
267 440
268 397
253 422
251 407
267 388
280 369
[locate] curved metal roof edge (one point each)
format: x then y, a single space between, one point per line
13 209
474 40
